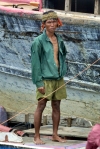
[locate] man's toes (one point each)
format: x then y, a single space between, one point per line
39 142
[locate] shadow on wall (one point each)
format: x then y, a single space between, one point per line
55 4
86 6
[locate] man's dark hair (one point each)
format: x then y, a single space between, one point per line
48 12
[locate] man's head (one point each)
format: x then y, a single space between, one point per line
49 15
50 21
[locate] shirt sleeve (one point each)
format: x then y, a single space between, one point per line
64 48
36 64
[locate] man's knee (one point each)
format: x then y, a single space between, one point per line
56 105
41 104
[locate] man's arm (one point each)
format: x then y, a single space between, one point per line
36 65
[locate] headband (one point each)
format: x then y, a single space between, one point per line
48 16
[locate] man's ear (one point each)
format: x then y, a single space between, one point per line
59 23
42 26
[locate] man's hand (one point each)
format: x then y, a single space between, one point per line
41 90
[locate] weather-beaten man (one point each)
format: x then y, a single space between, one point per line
48 54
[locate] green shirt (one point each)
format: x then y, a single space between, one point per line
42 60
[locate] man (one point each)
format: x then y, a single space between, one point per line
48 56
8 129
11 135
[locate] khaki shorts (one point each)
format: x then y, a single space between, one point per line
51 86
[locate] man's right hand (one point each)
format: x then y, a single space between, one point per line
41 90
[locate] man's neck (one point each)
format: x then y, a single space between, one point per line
49 34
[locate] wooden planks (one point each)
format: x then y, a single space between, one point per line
6 4
62 131
56 145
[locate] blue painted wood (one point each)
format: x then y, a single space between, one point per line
82 43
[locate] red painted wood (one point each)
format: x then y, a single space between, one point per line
20 12
23 1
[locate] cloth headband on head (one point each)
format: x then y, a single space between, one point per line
51 15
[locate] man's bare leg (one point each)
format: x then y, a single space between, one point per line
56 119
37 120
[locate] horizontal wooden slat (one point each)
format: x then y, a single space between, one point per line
34 4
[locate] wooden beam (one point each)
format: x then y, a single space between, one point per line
43 3
44 119
75 5
69 121
34 4
97 7
67 5
26 118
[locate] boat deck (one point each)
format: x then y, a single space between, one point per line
75 139
78 132
56 145
49 144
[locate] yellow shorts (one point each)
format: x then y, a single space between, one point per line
51 86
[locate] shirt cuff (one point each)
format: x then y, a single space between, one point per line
39 84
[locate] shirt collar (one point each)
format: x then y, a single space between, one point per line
45 35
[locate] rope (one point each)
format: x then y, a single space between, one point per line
54 91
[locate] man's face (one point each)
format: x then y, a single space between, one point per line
51 25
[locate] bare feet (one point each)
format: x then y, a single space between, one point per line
59 139
38 141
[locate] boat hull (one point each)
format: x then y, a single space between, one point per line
81 37
17 94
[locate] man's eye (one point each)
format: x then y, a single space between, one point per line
52 22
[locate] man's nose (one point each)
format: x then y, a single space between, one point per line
52 23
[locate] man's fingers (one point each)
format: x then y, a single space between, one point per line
41 90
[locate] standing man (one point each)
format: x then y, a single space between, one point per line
48 56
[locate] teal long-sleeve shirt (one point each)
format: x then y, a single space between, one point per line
42 60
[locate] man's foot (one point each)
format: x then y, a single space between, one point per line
59 139
38 141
